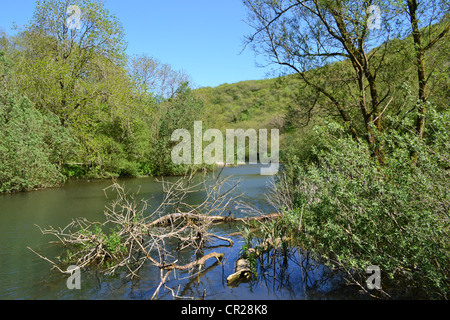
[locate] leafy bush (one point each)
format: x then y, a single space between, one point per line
178 112
32 145
354 213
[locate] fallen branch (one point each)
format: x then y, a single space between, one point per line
171 219
48 260
163 282
193 264
130 236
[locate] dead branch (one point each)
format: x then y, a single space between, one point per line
171 219
130 236
163 282
195 263
48 260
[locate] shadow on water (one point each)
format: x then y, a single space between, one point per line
23 275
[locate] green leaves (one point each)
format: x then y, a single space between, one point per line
32 147
357 213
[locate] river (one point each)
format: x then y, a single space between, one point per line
23 275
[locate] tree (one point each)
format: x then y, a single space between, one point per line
178 112
151 75
33 146
308 37
425 13
78 73
62 67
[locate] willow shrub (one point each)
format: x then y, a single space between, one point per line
353 212
32 145
32 148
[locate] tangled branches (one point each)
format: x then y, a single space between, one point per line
135 233
131 234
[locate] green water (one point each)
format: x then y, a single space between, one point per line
23 275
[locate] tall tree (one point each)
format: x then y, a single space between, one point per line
421 14
151 75
62 59
308 36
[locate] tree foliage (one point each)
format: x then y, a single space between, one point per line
117 108
314 35
353 213
370 186
33 146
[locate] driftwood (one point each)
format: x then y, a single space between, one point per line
178 217
130 236
193 264
243 270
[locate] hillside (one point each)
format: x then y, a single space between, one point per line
288 104
249 104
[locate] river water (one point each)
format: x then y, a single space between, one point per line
23 275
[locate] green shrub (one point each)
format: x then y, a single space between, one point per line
32 145
354 213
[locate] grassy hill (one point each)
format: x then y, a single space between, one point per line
249 104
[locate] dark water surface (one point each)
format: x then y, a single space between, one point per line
23 275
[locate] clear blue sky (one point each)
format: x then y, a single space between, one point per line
202 37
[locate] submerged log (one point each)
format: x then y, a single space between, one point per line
243 271
198 262
176 217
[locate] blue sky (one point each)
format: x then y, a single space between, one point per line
202 37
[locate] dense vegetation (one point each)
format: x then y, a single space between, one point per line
74 105
354 213
33 144
366 179
363 114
